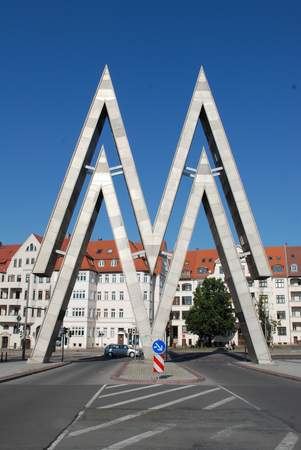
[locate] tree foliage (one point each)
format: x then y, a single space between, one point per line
212 312
268 325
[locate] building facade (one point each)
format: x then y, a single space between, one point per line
100 312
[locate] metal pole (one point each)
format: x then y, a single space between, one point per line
63 344
25 321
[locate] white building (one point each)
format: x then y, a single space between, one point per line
100 312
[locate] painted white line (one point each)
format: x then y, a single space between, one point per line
77 417
288 442
138 438
113 386
125 391
240 398
140 413
227 432
143 397
220 403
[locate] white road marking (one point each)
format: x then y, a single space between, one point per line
138 438
220 403
240 398
77 417
112 386
143 397
140 413
288 442
227 432
125 391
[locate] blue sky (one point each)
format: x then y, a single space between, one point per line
52 56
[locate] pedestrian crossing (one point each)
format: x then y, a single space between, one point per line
178 417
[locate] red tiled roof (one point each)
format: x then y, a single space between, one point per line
198 259
6 254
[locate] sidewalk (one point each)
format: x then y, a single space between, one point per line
290 369
140 372
18 369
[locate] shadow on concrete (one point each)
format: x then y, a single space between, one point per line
189 356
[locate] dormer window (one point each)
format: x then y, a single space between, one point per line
109 250
277 268
101 263
294 268
114 263
202 270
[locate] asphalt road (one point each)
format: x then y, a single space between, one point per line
77 407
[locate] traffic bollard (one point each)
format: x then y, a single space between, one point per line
5 356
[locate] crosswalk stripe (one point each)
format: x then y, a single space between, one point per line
125 391
139 437
288 442
220 403
140 413
143 397
113 386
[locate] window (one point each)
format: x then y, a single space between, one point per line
78 331
39 312
34 294
112 332
19 278
106 295
281 331
105 332
184 314
263 283
250 283
121 278
202 270
20 263
15 263
221 270
109 250
113 313
107 278
32 260
98 312
113 295
280 299
98 295
280 315
145 278
277 268
121 295
279 283
145 295
176 301
11 278
294 268
186 287
82 276
105 313
175 315
114 263
101 263
41 280
138 277
78 312
100 278
27 261
114 278
40 295
47 295
120 313
187 300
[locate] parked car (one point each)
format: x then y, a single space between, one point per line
121 350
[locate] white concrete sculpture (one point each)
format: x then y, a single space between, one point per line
202 106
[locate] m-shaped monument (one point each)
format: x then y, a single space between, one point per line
202 107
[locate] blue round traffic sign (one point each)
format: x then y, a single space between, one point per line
158 346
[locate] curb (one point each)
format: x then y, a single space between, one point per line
117 376
15 376
271 372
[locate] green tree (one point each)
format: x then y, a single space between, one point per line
212 312
268 325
